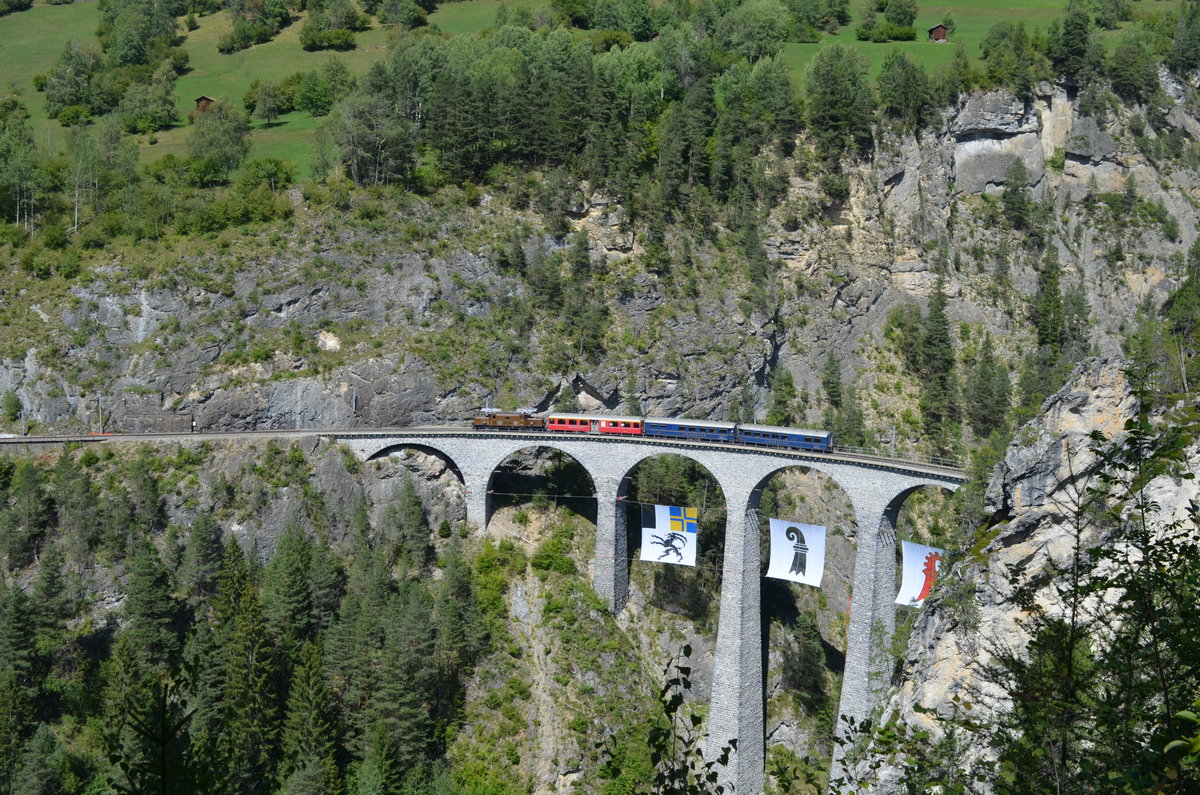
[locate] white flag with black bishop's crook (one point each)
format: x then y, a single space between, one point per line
669 534
797 552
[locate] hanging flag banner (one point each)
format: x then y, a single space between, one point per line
669 534
797 552
920 568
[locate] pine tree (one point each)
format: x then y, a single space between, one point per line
310 733
988 391
28 518
312 779
234 578
1047 308
76 501
18 654
249 743
53 605
206 659
287 599
326 583
840 102
460 633
831 380
399 721
126 703
940 383
16 714
201 562
852 426
33 774
151 610
783 396
1018 206
149 513
414 531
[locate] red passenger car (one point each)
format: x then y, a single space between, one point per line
589 423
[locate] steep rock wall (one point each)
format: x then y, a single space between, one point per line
1034 496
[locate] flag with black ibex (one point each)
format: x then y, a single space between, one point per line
669 534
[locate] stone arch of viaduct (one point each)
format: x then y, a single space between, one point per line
876 492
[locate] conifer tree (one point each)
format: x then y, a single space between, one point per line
51 600
460 634
16 713
326 581
232 581
1047 308
350 648
831 380
33 774
399 721
18 654
151 610
249 743
783 396
310 733
149 513
75 500
852 426
201 563
1018 206
206 658
939 402
287 599
28 518
988 391
405 526
126 702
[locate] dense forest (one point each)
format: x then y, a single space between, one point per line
691 124
141 653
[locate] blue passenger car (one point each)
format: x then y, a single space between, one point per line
704 430
790 438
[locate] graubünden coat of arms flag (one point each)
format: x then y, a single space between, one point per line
920 568
669 534
797 552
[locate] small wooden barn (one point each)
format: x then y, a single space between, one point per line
938 33
204 102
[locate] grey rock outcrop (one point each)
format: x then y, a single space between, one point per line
1088 141
993 113
381 325
1033 496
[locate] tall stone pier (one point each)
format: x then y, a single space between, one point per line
876 487
737 700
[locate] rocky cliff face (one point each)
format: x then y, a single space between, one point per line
1035 495
338 320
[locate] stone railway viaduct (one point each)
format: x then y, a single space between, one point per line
877 487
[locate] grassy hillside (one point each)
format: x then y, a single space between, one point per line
475 15
228 76
972 21
33 40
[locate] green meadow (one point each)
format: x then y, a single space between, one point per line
228 76
972 21
472 16
30 42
